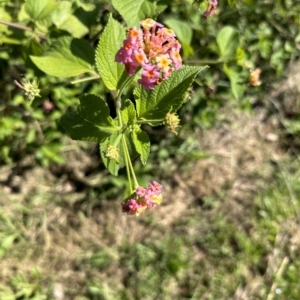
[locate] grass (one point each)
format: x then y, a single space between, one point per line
231 236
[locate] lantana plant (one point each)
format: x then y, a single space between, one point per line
147 56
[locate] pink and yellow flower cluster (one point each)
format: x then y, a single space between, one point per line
153 48
143 199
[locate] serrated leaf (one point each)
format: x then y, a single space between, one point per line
91 122
113 166
128 112
153 105
38 10
228 41
110 42
133 11
95 110
82 130
142 144
68 57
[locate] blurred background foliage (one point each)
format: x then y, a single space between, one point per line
239 37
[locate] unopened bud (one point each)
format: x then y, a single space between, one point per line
112 152
31 89
172 121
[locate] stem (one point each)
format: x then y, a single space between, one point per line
118 104
126 82
127 166
85 79
118 110
22 27
149 121
126 152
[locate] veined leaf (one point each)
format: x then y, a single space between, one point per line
68 57
91 122
39 9
82 130
63 19
128 112
109 44
133 11
153 105
142 144
236 83
228 41
95 110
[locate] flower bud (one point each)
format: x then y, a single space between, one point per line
31 89
112 152
172 122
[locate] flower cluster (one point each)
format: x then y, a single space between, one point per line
152 48
143 199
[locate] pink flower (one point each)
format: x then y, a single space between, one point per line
155 187
176 58
150 75
143 199
141 192
154 49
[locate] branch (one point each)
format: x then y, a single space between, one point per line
22 27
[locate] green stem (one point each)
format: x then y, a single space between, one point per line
85 79
118 104
22 27
126 152
127 165
149 121
125 83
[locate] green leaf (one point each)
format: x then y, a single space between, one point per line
128 112
133 11
236 83
153 105
184 33
95 110
109 44
63 19
35 48
113 166
142 144
91 122
228 41
38 10
68 57
82 130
